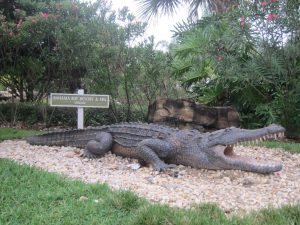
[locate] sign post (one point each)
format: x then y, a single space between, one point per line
80 101
80 113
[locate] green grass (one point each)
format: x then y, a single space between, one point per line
288 146
12 133
32 196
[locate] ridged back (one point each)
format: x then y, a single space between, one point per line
126 134
130 134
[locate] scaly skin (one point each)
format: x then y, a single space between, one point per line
162 146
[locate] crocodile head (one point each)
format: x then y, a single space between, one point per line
220 148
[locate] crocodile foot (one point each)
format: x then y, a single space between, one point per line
89 155
162 167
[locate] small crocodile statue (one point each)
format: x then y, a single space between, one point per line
162 147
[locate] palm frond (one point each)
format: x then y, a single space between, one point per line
183 27
194 6
149 8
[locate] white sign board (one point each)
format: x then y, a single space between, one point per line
79 101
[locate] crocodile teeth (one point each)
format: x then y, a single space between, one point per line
281 135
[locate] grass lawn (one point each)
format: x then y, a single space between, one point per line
31 196
12 133
288 146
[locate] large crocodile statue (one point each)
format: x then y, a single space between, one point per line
162 147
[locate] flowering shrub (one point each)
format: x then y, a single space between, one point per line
249 58
272 16
35 46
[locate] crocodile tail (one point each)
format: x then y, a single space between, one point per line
77 138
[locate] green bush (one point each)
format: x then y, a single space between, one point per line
33 114
248 58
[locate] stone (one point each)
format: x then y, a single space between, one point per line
134 166
83 198
247 182
187 114
69 155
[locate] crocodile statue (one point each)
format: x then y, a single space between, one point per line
162 147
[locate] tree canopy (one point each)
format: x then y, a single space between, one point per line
150 8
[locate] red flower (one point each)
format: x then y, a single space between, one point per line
19 24
242 23
242 18
45 15
272 16
264 3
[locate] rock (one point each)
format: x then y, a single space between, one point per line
173 174
134 166
226 179
247 182
187 114
83 198
69 155
77 152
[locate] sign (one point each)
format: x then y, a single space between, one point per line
79 100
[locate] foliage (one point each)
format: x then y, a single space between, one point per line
51 46
249 58
41 115
132 74
150 8
46 46
32 196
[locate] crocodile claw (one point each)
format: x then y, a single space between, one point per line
87 154
163 167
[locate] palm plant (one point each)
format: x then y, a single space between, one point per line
150 8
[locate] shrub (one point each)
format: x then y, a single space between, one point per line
36 115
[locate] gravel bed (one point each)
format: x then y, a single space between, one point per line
233 191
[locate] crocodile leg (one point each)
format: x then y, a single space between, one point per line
152 150
98 147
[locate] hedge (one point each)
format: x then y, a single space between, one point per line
37 115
